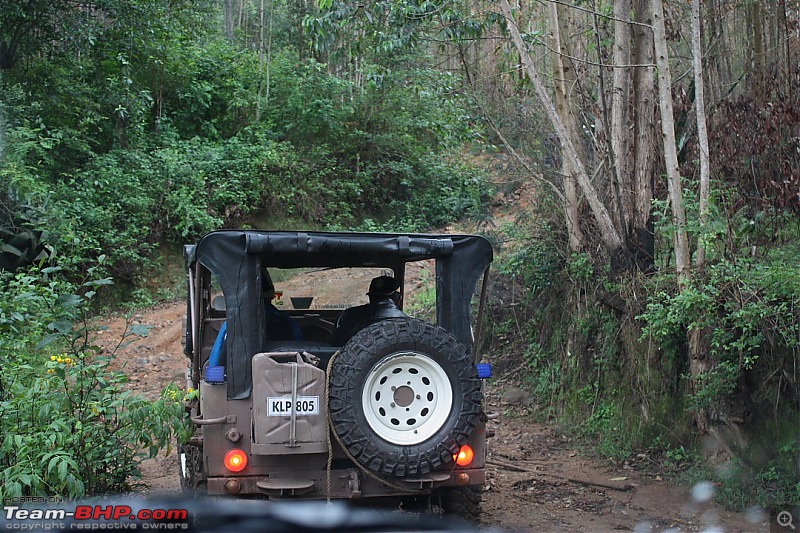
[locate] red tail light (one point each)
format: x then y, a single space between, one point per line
464 456
235 460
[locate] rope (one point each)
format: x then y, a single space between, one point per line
329 430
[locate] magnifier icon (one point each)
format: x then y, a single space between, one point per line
785 519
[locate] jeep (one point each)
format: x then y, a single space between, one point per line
394 412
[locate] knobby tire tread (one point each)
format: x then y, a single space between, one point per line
347 380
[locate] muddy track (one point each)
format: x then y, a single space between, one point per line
538 479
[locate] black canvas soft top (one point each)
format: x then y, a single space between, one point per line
236 257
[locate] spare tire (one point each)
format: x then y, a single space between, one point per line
404 396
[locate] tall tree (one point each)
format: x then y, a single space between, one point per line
698 363
702 129
674 182
563 83
298 9
619 124
231 17
643 106
699 341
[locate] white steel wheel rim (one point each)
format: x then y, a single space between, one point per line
407 398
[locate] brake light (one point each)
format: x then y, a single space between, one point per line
464 456
235 460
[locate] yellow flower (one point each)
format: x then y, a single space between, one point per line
52 357
51 371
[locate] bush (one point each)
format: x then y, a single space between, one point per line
69 427
750 310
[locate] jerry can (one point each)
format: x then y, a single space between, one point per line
288 405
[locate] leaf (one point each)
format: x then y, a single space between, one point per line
53 464
70 300
7 248
62 326
96 282
141 330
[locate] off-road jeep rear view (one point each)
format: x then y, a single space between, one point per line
307 391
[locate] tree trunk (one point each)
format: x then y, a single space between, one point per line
604 129
563 76
680 238
241 17
644 139
619 129
773 29
260 58
699 342
230 17
681 241
757 22
2 132
702 131
789 75
297 10
267 76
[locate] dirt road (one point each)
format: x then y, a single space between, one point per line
538 480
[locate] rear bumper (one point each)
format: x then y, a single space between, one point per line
351 483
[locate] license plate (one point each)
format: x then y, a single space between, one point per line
282 406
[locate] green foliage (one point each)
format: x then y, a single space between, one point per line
607 424
69 427
741 484
546 376
77 430
139 140
676 456
26 26
422 302
391 27
533 253
749 309
429 194
210 88
580 268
